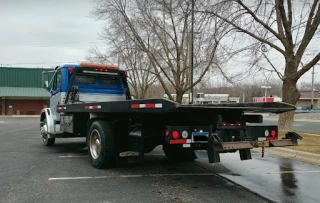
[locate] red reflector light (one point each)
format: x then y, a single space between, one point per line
150 105
70 69
126 73
167 133
273 133
135 106
175 134
178 141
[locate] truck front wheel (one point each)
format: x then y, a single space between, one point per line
44 133
101 144
176 153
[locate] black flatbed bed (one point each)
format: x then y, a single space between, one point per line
167 106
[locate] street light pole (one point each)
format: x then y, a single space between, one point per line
265 92
312 82
191 54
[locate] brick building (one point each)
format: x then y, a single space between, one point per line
21 91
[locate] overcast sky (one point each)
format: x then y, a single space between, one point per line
43 33
46 33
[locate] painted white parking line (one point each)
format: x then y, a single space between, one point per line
85 155
132 176
3 122
73 156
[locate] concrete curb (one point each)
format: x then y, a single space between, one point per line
306 157
26 116
21 116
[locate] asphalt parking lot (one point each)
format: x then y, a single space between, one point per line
31 172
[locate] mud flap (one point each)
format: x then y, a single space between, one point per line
213 155
245 154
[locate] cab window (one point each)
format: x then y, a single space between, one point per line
57 81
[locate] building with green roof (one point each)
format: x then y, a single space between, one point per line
21 91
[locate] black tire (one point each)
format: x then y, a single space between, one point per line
45 140
175 153
103 131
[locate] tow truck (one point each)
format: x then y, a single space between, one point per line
94 101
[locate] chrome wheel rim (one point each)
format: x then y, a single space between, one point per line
95 144
43 132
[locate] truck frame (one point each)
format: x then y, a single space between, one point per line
94 101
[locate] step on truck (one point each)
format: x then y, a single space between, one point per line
94 101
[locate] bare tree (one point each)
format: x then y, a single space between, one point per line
248 91
288 28
125 53
161 29
306 86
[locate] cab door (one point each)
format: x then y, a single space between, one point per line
56 96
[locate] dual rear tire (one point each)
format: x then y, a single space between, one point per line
101 144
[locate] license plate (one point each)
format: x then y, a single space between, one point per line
200 137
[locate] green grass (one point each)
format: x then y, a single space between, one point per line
309 143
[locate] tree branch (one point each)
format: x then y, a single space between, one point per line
274 68
307 67
309 33
260 21
247 32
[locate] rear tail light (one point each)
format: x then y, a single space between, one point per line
175 134
273 133
231 124
167 133
266 133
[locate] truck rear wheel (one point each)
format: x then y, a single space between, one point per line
101 145
176 153
44 133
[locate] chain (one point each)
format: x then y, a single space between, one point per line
262 155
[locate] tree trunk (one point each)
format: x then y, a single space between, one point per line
179 97
290 95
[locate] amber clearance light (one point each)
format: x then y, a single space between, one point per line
101 66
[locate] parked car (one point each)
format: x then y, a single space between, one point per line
301 109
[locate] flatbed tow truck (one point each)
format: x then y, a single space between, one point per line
94 101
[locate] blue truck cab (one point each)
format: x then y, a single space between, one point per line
85 83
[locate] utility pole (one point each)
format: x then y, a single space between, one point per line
312 82
191 54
